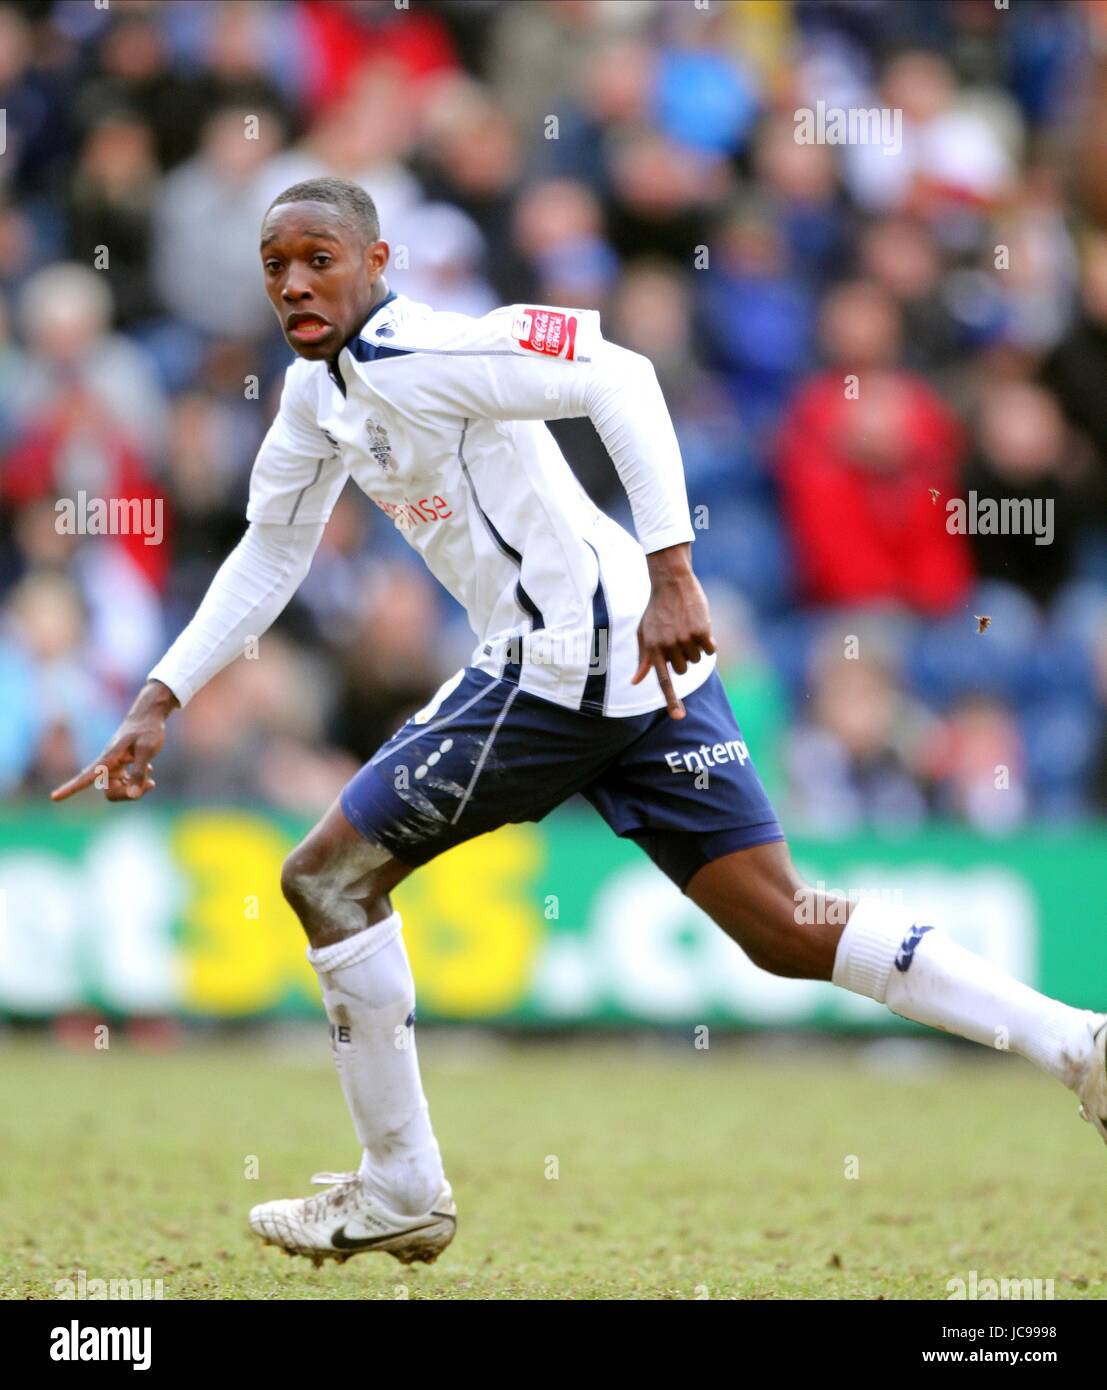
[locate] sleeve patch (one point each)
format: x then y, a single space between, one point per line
551 332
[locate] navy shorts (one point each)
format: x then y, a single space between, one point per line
485 753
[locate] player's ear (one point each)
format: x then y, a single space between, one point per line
377 255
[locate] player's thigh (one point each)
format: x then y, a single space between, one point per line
749 890
483 754
686 791
758 898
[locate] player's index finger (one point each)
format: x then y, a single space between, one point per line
672 699
83 779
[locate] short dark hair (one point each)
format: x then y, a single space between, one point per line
355 205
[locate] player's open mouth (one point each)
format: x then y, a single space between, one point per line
309 329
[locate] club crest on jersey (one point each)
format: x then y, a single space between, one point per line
552 332
379 445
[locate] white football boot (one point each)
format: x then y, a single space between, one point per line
346 1220
1093 1088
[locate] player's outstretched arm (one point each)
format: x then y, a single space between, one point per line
123 769
251 589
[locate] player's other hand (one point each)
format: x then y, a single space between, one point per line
122 771
676 626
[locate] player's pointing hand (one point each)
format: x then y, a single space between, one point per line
676 626
123 770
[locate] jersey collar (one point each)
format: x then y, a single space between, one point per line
334 371
389 297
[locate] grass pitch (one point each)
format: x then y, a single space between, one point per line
679 1173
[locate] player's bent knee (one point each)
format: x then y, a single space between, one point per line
332 897
309 882
299 882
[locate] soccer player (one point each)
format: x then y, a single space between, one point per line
593 672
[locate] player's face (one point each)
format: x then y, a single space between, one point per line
319 276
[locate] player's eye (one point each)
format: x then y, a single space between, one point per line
321 257
272 265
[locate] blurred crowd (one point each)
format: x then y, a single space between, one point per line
641 158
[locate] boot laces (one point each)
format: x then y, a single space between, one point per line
342 1188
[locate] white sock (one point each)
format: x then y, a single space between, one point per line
924 976
369 996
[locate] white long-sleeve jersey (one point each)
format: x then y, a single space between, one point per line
438 418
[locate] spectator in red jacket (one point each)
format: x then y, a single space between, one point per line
864 448
76 448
